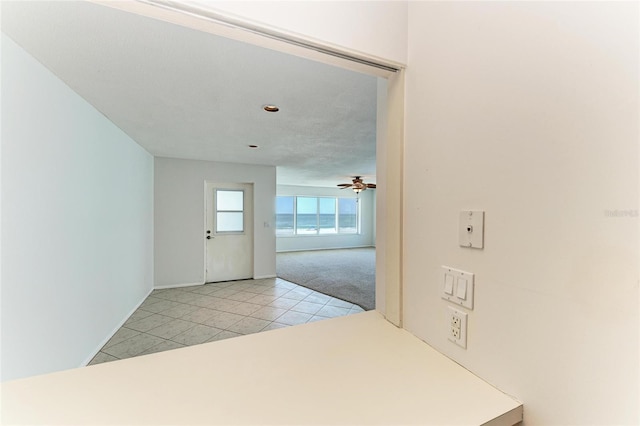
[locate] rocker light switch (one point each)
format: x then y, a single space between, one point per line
448 284
461 289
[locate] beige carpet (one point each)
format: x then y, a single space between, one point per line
347 274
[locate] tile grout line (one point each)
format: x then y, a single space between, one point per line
245 287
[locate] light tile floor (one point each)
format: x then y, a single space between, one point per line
174 318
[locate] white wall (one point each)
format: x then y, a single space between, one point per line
376 28
529 111
179 217
367 225
77 222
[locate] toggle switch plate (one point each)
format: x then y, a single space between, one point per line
471 229
457 286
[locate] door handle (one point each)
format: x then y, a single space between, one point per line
208 237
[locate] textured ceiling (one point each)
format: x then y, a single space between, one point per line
183 93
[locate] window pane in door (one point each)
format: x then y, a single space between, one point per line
227 200
229 210
327 216
306 215
284 215
230 222
348 217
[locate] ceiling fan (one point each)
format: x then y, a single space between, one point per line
358 185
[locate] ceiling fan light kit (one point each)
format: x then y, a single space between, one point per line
357 185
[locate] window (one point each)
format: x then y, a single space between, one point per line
306 215
229 210
284 215
316 216
348 215
327 218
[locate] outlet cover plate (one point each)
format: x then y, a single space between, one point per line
457 327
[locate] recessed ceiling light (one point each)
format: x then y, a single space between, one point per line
271 108
253 146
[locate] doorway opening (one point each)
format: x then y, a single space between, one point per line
390 125
229 231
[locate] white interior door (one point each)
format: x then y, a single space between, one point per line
229 231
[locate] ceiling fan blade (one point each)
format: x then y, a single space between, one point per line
345 185
371 185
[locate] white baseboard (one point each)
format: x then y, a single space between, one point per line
115 330
324 248
162 287
261 277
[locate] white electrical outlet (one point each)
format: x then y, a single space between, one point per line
455 321
455 333
457 326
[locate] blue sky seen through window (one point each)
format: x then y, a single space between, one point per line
284 205
307 205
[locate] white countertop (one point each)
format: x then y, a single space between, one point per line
355 370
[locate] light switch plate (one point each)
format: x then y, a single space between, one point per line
456 275
471 229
